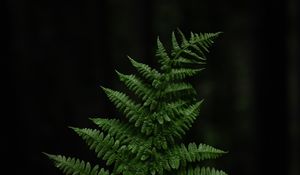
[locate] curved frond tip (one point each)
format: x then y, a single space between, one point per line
75 166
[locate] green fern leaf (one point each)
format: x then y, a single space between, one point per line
181 61
205 40
104 146
164 59
198 42
146 71
185 42
136 85
181 155
193 54
119 130
200 171
175 88
183 118
175 45
145 142
75 166
182 73
135 112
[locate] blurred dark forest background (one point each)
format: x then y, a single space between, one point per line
58 54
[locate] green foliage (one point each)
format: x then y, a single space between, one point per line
75 166
147 141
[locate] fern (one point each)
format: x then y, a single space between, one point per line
75 166
166 108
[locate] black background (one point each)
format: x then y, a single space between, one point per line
59 53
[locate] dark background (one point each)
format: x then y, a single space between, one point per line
59 53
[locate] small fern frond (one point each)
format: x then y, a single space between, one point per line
105 147
163 56
124 133
200 171
146 71
173 108
204 40
140 147
181 61
175 45
175 88
74 166
176 105
183 118
192 54
192 111
194 48
182 73
134 112
136 85
184 43
180 155
115 128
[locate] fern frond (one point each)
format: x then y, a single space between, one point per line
136 85
134 112
146 71
180 155
204 40
115 128
105 147
124 133
175 45
163 56
174 88
140 147
184 43
184 117
181 61
134 148
196 47
74 166
182 73
166 108
192 54
200 171
173 108
176 105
